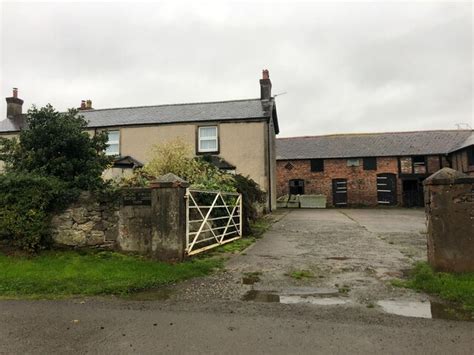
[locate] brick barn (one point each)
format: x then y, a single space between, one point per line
370 169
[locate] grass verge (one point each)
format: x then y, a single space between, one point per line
56 274
453 287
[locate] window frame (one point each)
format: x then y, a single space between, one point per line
352 165
316 165
117 142
369 166
199 139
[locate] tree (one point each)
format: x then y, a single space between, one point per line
46 167
57 144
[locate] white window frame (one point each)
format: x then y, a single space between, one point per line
200 139
115 142
353 162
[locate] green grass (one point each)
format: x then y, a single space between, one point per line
301 274
54 274
236 246
448 286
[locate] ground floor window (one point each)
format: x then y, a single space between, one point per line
296 187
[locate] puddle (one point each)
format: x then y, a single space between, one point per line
156 294
432 310
272 296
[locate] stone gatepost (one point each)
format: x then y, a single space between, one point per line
168 207
449 199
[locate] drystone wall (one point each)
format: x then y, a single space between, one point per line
90 221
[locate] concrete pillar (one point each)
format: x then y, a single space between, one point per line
449 204
168 206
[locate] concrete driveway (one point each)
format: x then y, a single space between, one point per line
333 256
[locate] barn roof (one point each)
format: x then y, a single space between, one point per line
372 144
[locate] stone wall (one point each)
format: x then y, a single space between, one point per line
449 197
149 221
90 221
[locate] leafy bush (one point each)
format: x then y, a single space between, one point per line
176 157
251 196
46 167
26 203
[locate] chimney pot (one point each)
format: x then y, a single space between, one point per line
15 92
89 104
265 74
83 105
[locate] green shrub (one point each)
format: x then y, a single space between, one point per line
26 203
252 195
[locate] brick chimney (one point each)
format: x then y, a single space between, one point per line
265 86
14 105
89 105
83 105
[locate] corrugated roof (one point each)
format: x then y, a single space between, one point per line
176 113
371 144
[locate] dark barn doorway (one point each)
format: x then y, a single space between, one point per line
296 187
339 192
413 193
387 189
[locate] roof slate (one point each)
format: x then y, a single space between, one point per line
371 144
161 114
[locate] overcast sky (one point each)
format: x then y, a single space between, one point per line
345 67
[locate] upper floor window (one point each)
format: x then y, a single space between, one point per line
370 163
317 165
208 139
113 143
470 156
353 162
419 164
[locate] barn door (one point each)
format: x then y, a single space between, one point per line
387 189
339 192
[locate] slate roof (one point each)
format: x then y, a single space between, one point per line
372 144
176 113
12 124
469 141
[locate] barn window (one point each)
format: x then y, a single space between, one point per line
370 163
296 187
419 164
353 162
470 156
317 165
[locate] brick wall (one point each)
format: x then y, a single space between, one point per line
361 184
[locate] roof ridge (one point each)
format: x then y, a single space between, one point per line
164 105
376 133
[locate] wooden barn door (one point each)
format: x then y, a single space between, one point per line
339 192
387 189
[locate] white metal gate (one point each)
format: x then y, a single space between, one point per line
213 218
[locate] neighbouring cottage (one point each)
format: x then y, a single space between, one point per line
370 169
237 135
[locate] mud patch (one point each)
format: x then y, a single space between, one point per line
427 309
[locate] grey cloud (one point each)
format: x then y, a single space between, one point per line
346 67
